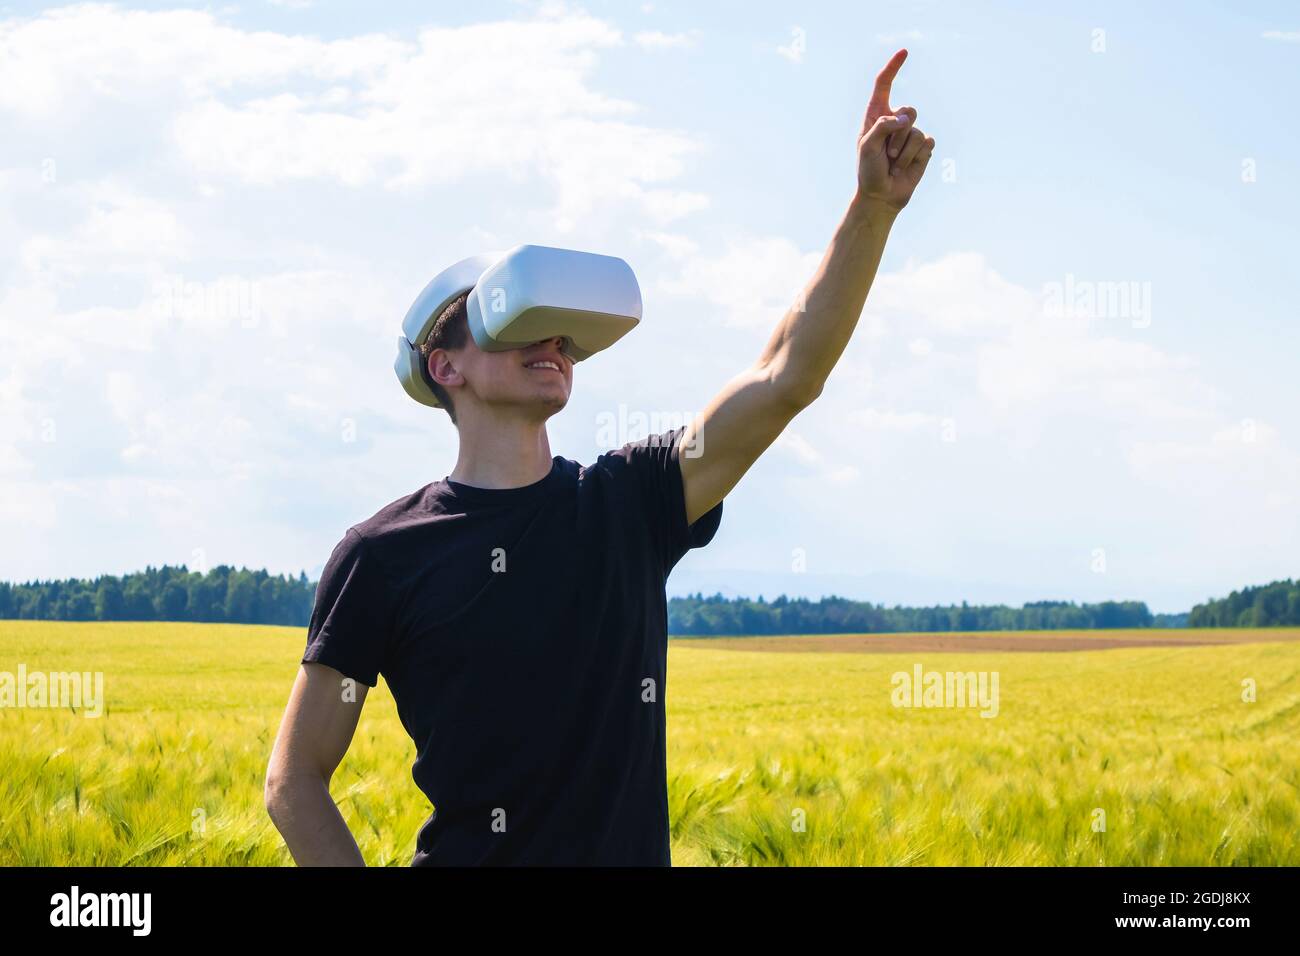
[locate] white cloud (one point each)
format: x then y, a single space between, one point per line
797 445
120 228
511 98
68 59
751 284
656 40
955 295
674 245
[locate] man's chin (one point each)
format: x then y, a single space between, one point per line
542 404
551 402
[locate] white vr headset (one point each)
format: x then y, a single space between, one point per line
520 297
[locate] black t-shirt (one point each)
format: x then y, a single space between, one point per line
523 634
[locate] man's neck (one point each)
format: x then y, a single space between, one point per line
502 454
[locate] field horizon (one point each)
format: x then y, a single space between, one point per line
884 642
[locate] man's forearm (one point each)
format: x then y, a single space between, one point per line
813 334
310 823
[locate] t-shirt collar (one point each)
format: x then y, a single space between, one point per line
499 496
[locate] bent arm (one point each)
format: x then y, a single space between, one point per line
314 735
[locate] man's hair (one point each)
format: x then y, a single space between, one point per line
450 331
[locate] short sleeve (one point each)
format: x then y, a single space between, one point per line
352 615
655 460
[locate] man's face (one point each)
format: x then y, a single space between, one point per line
537 377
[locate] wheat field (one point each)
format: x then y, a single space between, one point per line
1131 756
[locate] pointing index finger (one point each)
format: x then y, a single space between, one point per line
879 104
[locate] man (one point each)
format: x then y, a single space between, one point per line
517 606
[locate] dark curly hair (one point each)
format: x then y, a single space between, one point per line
450 331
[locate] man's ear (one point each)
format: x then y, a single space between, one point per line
429 362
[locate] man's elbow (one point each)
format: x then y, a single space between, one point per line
279 793
275 796
796 393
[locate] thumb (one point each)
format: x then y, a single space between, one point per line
874 141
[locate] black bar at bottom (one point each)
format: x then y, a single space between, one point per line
333 905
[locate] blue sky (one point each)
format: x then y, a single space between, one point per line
215 218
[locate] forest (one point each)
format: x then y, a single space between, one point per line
242 596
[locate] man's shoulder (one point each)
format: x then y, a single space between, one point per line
399 517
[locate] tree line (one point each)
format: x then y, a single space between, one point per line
223 594
1266 605
717 615
243 596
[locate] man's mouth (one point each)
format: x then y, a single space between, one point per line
544 363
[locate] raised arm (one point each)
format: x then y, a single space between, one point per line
314 735
753 408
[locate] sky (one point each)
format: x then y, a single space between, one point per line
1075 377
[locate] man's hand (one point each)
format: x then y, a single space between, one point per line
892 152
